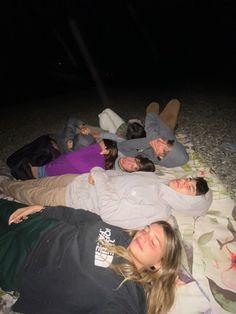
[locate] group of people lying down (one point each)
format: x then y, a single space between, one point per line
89 230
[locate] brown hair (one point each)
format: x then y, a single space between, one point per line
110 158
145 164
159 285
135 130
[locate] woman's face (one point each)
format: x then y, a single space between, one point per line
148 246
129 164
184 185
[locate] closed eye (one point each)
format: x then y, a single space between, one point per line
191 188
154 243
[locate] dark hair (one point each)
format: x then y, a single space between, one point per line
170 142
145 164
135 130
201 186
112 155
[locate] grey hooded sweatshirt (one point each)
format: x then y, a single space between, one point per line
132 200
155 128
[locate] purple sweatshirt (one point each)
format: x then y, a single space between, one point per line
80 161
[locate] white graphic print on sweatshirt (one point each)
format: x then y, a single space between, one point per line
103 258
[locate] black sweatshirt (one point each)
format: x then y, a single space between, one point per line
65 273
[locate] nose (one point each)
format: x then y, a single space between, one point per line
144 235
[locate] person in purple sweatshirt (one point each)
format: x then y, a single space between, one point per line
102 154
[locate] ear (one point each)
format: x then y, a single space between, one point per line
152 268
155 267
104 152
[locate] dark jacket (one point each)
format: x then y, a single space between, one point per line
37 153
66 269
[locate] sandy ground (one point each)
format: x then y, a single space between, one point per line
207 116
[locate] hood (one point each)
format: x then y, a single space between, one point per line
117 165
176 157
191 205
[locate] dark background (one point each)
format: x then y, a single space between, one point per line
52 47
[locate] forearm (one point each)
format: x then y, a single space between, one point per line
69 215
110 136
60 213
22 213
132 147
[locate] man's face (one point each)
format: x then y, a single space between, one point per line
184 185
129 164
160 147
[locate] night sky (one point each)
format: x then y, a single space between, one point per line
60 46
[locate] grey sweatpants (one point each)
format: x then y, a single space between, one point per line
49 191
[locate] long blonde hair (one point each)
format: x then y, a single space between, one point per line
159 285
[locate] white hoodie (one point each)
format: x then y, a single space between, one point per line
131 200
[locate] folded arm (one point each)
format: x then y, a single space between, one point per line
66 214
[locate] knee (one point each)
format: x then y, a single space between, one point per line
175 101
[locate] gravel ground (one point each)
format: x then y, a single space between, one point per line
207 116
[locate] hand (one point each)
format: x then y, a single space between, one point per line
154 144
104 152
91 180
22 213
84 130
160 147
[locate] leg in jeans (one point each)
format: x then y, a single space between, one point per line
169 115
45 191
